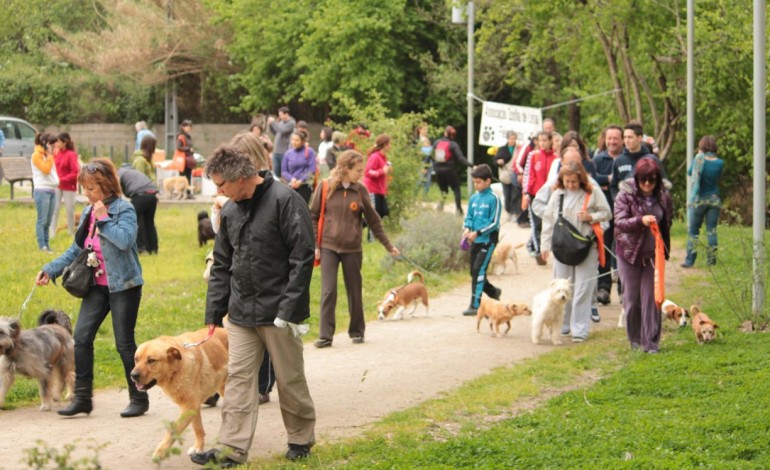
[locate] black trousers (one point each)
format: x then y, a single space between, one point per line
147 235
605 280
481 253
446 177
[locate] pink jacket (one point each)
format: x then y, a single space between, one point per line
67 167
375 178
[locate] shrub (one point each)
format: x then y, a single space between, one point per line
431 240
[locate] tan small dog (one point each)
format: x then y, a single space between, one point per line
401 297
499 312
175 186
674 312
504 252
188 375
64 226
705 329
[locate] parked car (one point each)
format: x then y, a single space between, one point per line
19 136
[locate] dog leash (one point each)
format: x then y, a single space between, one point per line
26 301
209 335
403 257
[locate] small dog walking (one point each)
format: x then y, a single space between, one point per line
205 231
674 312
498 313
504 252
705 329
175 185
548 310
400 297
46 353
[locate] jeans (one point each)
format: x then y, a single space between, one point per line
45 202
426 174
99 301
707 209
277 159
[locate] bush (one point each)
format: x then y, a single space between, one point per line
431 240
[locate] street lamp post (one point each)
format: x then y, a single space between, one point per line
457 17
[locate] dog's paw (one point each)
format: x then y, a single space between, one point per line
194 450
45 407
556 341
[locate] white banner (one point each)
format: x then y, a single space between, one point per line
497 119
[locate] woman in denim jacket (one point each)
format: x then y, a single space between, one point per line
109 227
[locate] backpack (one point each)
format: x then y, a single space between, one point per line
443 152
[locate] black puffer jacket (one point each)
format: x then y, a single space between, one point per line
263 259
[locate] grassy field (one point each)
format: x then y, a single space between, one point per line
597 405
173 297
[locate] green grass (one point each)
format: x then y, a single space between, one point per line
174 293
597 405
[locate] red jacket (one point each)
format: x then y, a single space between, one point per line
375 178
539 166
67 167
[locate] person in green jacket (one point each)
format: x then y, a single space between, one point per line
143 157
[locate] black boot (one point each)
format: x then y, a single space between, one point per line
81 401
139 403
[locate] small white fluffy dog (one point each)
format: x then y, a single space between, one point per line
548 310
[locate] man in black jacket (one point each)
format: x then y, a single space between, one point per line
263 262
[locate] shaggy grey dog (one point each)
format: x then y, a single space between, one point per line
46 353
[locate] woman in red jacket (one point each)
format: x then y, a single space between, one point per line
376 175
67 167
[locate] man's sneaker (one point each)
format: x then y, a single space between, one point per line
595 315
212 400
603 296
498 293
213 456
565 331
322 343
686 266
470 312
358 340
540 260
578 339
297 452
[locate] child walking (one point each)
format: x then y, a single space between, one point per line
481 229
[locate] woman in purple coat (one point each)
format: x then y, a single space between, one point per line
298 165
641 201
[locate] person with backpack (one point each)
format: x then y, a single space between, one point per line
446 156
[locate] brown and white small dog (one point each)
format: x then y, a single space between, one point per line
499 312
674 312
175 186
504 252
705 329
400 297
46 353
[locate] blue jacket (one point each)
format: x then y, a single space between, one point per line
117 235
483 215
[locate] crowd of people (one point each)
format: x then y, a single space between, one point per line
282 208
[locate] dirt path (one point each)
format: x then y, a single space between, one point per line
401 364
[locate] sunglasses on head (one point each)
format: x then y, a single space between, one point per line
93 167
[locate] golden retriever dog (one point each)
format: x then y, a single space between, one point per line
499 312
399 298
705 329
175 186
187 374
504 252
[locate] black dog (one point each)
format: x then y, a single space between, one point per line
205 232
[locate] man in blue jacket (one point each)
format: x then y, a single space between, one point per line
481 229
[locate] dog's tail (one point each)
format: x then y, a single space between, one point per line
410 277
55 317
694 310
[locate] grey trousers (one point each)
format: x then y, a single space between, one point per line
241 401
351 274
577 312
643 321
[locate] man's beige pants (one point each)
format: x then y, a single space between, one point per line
241 400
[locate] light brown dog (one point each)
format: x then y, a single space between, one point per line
499 312
401 297
188 375
504 252
674 312
175 186
64 226
705 329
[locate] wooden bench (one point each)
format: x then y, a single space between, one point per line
16 170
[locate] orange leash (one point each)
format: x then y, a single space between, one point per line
660 265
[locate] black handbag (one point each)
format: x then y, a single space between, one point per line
78 277
569 246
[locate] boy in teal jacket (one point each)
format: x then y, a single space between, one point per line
481 228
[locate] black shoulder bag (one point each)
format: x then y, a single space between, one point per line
78 277
569 246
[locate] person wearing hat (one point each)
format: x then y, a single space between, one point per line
481 229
